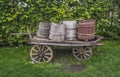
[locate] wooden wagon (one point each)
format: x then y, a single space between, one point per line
41 50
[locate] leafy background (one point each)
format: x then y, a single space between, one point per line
17 15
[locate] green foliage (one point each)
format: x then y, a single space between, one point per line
17 15
105 62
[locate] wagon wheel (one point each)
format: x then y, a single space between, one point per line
82 52
40 53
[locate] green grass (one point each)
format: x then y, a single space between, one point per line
105 62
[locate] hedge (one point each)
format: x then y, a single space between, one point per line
17 15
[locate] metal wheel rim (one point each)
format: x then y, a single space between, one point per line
40 53
82 53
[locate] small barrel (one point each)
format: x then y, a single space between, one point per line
86 30
70 30
43 30
57 32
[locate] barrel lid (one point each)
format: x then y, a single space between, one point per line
87 22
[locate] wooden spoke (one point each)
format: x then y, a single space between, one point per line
34 54
81 56
84 56
78 54
46 50
44 60
88 51
47 53
46 57
39 53
43 47
35 50
76 49
40 59
82 52
35 57
39 47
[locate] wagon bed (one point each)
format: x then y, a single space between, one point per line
40 41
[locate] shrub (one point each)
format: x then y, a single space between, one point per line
17 15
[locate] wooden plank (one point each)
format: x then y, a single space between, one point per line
30 35
36 39
50 41
97 40
67 44
21 33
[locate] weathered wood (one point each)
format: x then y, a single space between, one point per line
30 35
36 39
65 44
57 32
86 30
82 52
71 30
24 33
43 30
21 33
97 40
40 41
39 53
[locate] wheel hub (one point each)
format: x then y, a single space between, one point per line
41 54
81 52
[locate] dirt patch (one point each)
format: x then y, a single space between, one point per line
68 62
75 68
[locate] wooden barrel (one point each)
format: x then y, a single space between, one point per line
86 30
70 30
43 30
57 32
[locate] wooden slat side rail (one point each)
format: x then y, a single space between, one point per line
65 44
35 39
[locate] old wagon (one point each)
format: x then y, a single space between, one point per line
82 47
41 50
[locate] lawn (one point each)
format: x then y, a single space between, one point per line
105 62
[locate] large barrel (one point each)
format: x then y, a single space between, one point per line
70 30
43 30
57 32
86 30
